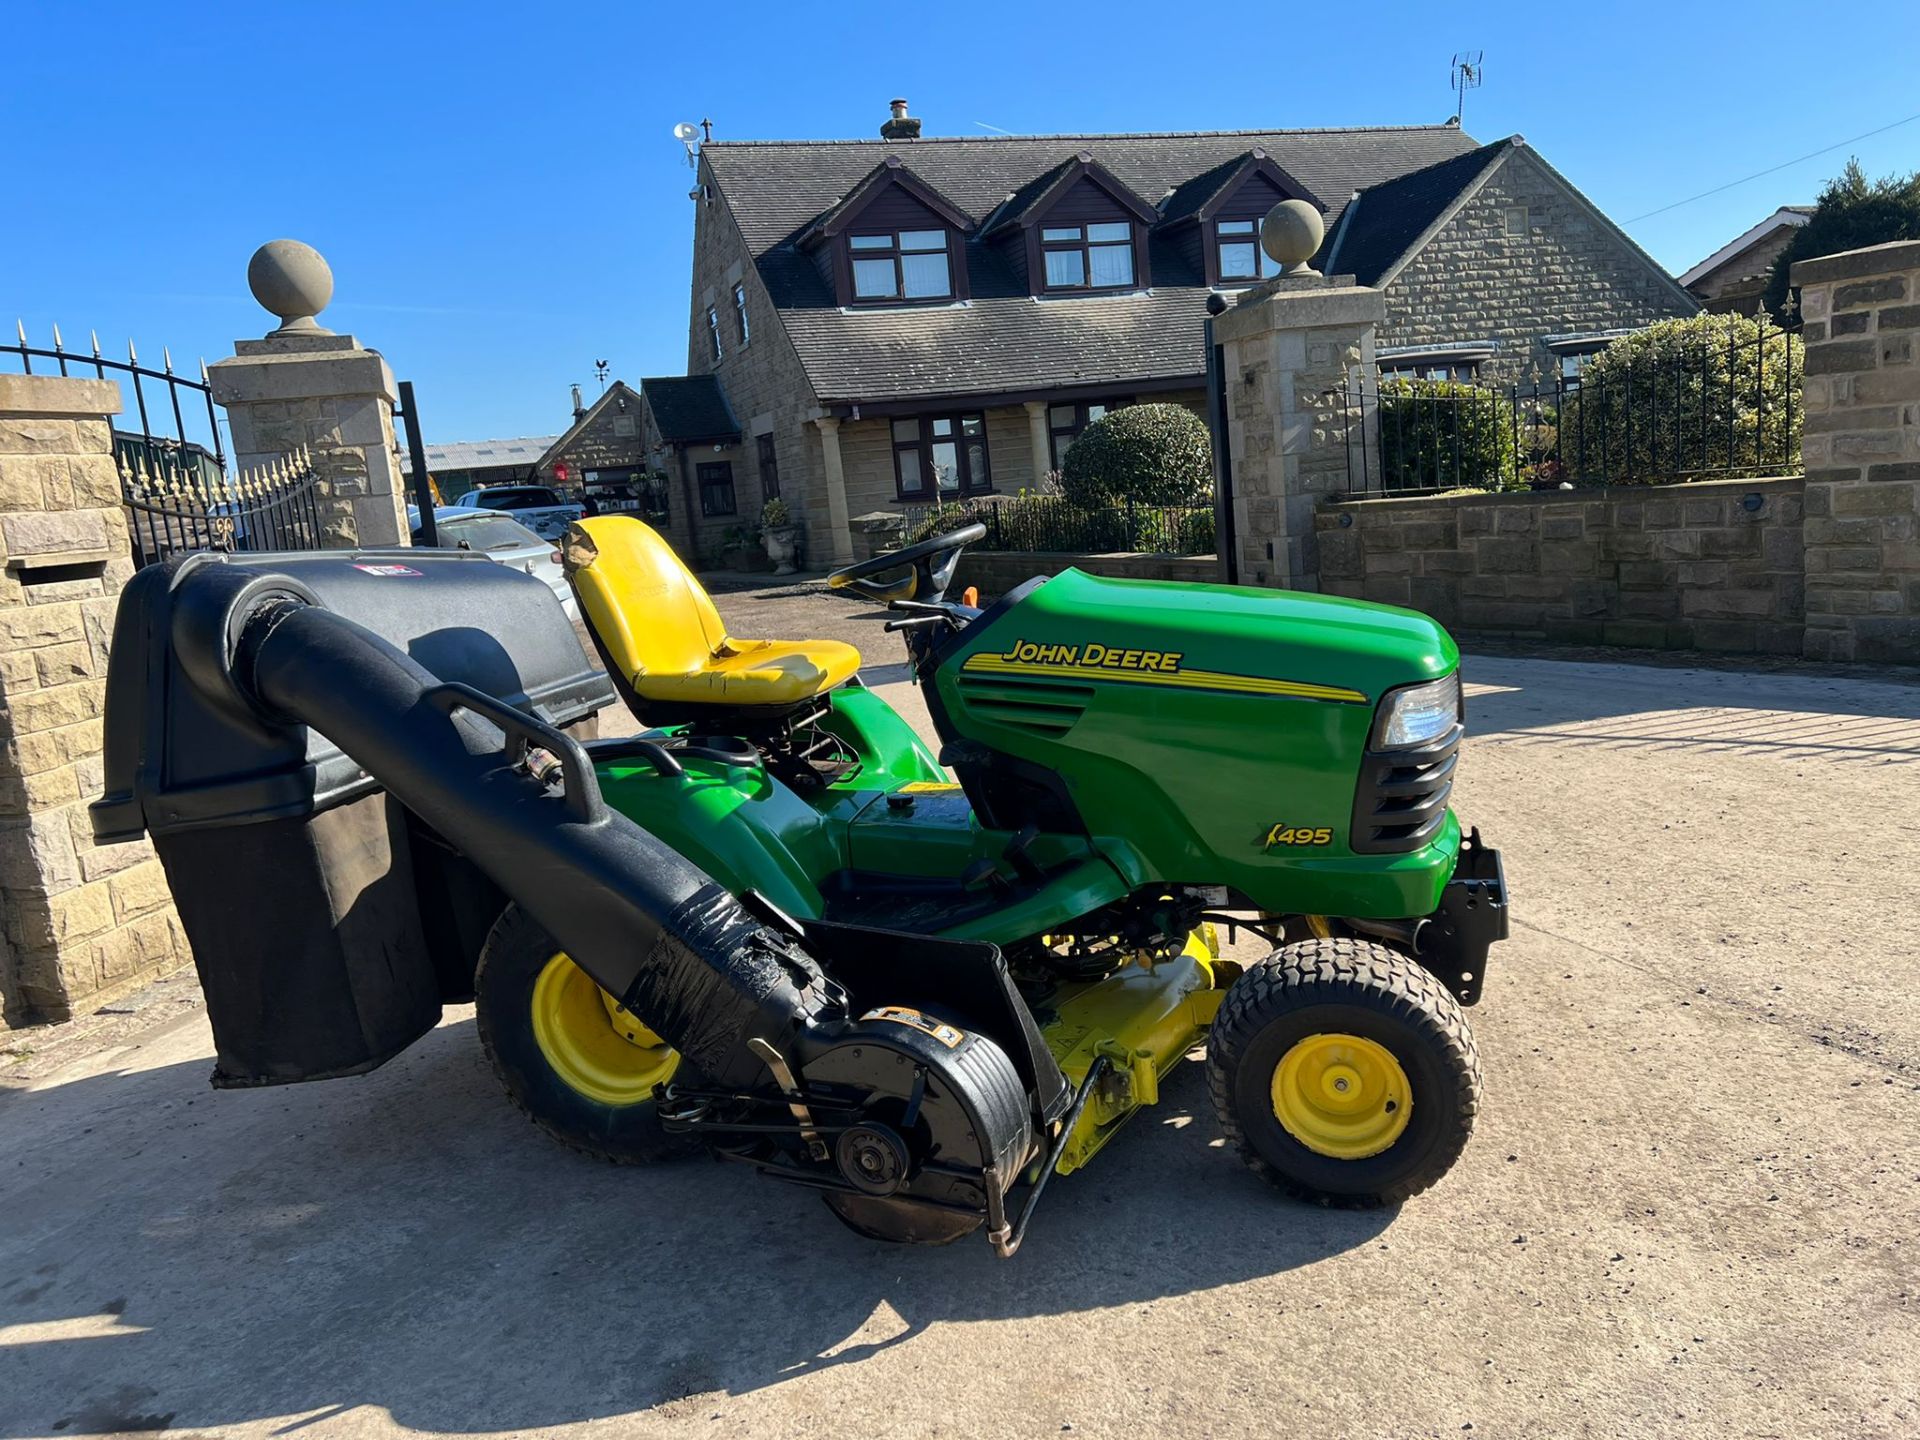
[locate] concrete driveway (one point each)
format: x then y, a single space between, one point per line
1692 1206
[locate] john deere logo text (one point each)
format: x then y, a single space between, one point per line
1094 656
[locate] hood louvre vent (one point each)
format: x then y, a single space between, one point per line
1044 707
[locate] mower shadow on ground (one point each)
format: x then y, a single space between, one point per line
1799 716
183 1258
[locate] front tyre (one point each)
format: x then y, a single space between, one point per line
1344 1073
581 1067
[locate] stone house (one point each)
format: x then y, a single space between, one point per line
902 320
1495 268
669 452
1732 280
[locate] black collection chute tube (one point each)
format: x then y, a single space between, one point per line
648 925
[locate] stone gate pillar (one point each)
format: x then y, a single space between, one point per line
1287 349
1861 444
306 386
82 923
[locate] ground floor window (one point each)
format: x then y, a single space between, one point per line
1411 368
1573 363
716 488
1066 421
1573 353
769 466
944 455
625 492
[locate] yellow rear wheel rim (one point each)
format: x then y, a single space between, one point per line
596 1047
1343 1096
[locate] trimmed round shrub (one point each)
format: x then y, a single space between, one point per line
1708 394
1149 454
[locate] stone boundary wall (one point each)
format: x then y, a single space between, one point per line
82 923
998 571
1711 565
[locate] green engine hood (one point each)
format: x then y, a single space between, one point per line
1285 636
1186 726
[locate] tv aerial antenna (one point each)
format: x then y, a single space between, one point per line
1467 74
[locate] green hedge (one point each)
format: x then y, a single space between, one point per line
1053 523
1709 394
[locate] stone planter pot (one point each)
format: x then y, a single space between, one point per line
783 543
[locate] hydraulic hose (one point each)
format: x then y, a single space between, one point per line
650 927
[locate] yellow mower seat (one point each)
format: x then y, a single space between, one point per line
658 626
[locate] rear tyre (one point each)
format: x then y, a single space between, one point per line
1344 1073
582 1068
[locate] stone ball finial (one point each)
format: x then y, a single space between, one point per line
292 281
1291 234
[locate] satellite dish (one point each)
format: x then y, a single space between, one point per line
683 132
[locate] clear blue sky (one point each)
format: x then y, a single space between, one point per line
500 197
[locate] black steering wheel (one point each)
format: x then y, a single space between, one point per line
928 564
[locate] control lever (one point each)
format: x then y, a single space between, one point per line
1016 853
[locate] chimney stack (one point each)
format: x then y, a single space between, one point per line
579 407
902 126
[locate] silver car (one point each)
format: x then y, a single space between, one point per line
505 540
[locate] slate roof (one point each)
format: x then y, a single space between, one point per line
1196 192
1389 218
1004 340
480 454
689 409
1013 209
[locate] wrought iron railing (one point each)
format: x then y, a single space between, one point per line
179 398
1663 416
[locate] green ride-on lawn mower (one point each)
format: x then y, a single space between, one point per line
773 922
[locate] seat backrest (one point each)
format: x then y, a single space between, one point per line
646 609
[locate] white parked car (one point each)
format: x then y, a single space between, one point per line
538 507
501 538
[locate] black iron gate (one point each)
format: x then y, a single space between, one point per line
179 490
173 510
422 483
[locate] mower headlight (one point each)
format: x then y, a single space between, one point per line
1418 714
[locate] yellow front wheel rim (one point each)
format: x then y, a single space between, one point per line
1343 1096
596 1047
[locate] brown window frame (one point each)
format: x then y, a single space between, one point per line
709 476
768 460
1264 265
922 446
896 252
1086 245
1055 434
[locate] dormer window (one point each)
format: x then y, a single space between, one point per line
1214 218
1239 251
901 265
1088 257
1074 229
891 240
